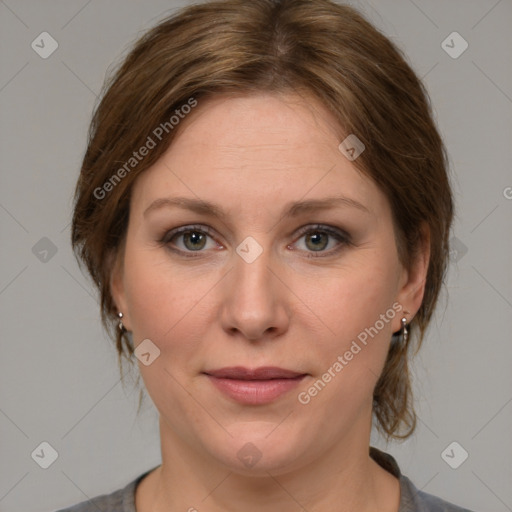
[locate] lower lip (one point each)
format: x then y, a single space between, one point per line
255 392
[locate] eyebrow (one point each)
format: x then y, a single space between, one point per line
293 209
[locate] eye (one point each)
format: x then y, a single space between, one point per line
188 239
318 238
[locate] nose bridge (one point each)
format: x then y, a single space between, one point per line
252 269
254 305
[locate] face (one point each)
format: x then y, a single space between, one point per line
273 309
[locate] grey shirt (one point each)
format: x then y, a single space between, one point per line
411 499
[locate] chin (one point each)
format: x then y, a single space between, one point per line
257 453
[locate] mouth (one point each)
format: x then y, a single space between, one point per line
254 386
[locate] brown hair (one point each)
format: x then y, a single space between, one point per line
319 47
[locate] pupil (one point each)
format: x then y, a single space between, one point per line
195 238
317 237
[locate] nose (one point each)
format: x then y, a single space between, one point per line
255 299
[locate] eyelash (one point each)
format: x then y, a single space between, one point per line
342 237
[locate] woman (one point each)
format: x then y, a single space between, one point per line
264 206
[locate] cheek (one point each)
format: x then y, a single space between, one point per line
354 298
156 298
167 305
355 306
162 305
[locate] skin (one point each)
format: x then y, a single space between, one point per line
298 306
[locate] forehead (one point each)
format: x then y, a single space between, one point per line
263 127
259 149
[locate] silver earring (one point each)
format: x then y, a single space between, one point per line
404 333
120 325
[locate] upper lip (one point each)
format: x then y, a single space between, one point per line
262 373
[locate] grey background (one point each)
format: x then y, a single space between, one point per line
58 377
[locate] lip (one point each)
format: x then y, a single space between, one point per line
254 386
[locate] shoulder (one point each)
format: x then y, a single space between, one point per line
414 500
114 502
122 500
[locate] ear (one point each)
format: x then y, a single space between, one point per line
117 287
413 280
